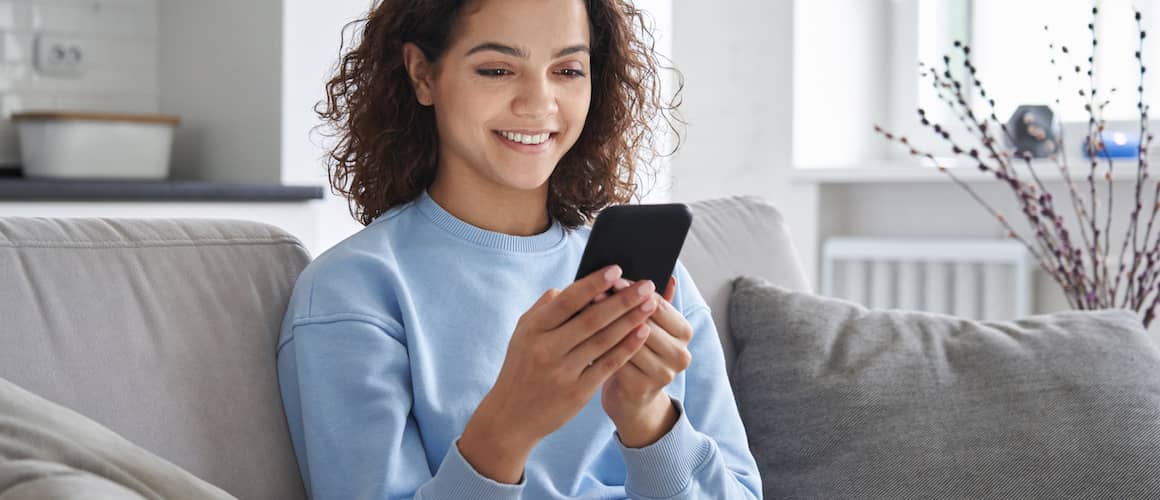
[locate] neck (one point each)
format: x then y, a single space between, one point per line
494 208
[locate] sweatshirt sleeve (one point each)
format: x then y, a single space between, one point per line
706 454
346 387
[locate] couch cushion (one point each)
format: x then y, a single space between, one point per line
164 331
731 237
844 402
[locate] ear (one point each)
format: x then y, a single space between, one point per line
420 71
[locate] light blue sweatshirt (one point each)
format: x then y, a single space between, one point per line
394 336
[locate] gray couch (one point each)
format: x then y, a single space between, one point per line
164 330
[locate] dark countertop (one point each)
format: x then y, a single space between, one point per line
22 189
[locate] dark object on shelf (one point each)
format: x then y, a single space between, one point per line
1034 129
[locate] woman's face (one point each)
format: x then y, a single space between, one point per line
511 92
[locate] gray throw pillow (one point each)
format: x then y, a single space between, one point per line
844 402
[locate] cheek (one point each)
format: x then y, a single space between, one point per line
575 109
463 112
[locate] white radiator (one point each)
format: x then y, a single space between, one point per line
977 279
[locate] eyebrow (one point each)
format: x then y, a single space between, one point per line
515 52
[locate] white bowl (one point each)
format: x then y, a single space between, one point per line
71 145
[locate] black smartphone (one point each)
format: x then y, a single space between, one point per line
644 240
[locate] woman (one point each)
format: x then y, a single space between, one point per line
422 356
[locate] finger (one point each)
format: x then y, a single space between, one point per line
668 349
544 299
661 350
597 317
672 321
632 383
548 295
574 298
671 289
620 284
614 359
656 371
580 348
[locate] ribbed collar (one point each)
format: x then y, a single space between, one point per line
491 239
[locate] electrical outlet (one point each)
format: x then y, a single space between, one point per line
60 56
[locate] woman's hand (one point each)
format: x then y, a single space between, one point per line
563 349
634 396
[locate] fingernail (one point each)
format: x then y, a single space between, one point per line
647 288
649 305
612 273
642 331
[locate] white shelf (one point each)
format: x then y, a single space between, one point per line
910 171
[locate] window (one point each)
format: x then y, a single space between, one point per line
1010 48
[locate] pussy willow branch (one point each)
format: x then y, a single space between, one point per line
1025 194
1141 174
1053 248
1061 162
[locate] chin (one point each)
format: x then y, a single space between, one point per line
525 177
527 183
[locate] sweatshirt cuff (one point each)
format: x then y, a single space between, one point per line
665 468
458 479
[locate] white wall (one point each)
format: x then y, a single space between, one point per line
221 72
656 187
739 104
310 37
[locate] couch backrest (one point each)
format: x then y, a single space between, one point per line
125 321
162 330
732 237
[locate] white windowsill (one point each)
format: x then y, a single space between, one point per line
904 171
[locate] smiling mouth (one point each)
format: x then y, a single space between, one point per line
534 139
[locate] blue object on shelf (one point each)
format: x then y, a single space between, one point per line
1117 145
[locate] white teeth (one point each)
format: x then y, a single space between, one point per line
525 139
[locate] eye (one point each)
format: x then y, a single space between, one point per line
572 73
493 72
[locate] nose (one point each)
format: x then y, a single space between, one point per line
536 99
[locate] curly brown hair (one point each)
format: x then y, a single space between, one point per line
388 146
